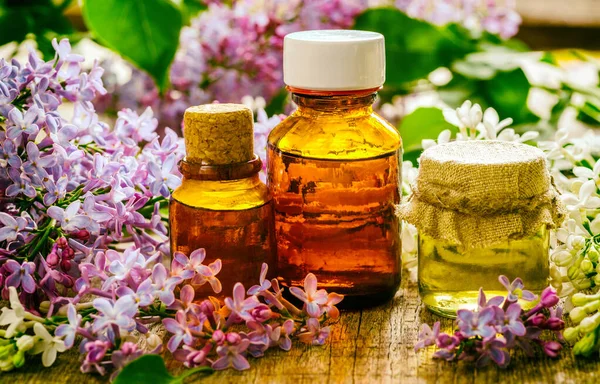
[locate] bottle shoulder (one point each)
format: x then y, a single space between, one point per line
329 136
222 195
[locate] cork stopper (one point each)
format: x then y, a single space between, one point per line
218 134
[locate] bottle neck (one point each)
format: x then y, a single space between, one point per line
221 172
344 102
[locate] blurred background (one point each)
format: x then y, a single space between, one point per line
532 60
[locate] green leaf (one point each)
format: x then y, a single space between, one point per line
589 113
277 103
549 58
151 369
190 8
507 92
146 32
42 18
414 48
422 123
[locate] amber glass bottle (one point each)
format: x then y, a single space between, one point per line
334 171
221 205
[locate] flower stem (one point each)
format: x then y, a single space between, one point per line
192 371
41 241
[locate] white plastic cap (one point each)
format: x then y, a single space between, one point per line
334 60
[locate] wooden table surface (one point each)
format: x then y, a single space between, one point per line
370 346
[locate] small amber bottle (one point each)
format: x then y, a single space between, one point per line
221 205
333 169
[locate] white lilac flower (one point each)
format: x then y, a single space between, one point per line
443 137
584 200
492 124
47 345
14 316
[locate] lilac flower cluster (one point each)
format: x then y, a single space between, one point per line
207 333
74 186
71 190
230 51
496 16
498 326
73 193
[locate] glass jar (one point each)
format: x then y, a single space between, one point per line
483 209
334 170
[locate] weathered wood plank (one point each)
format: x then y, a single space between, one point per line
370 346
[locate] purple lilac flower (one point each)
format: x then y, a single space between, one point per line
261 313
515 290
428 336
313 299
281 335
55 190
21 184
70 219
192 357
488 334
186 268
446 341
510 321
142 127
20 275
180 329
549 298
239 304
232 356
330 308
96 350
69 330
264 284
164 179
20 123
494 350
11 226
260 338
35 162
313 333
120 313
483 303
72 61
208 274
552 348
497 17
476 324
131 264
187 295
162 285
10 155
143 296
120 358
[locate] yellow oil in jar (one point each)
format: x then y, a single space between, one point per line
450 278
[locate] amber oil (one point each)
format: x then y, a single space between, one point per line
224 208
334 173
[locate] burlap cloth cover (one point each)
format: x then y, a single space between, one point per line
477 193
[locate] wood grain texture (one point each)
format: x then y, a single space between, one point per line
370 346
